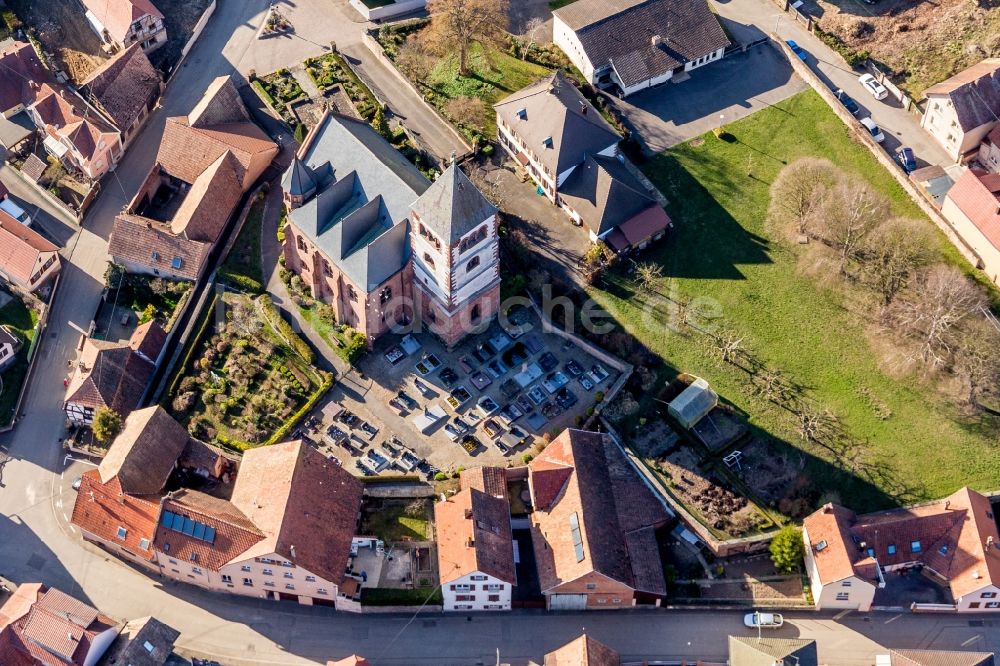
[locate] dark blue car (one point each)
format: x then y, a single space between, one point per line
907 159
847 101
797 50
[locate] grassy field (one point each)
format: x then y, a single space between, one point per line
21 320
390 523
242 267
723 252
495 75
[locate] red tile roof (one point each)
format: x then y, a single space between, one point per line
473 534
490 480
148 339
583 651
65 116
305 504
22 249
234 532
186 151
101 508
977 195
353 660
135 239
213 197
19 64
615 510
124 86
957 539
145 453
645 225
117 16
41 626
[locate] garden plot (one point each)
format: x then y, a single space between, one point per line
246 377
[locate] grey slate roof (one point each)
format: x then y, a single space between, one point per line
688 30
554 108
975 93
582 13
605 193
130 648
298 180
753 651
452 206
359 216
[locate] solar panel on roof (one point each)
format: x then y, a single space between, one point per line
188 527
168 519
209 534
199 531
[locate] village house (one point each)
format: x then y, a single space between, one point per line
583 651
206 161
961 111
42 626
906 657
370 236
954 540
972 206
142 642
552 131
281 530
475 545
594 526
989 151
113 374
121 23
125 89
28 261
632 45
771 651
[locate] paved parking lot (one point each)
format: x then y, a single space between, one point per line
718 93
484 403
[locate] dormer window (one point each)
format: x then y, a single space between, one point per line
522 114
547 142
428 260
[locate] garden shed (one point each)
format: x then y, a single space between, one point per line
694 402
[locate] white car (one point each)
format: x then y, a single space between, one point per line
873 129
763 620
877 90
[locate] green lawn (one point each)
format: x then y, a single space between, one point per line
723 251
242 267
390 523
21 320
492 78
384 596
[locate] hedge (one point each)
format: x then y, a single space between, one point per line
241 282
285 330
191 344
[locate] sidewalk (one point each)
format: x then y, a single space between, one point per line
270 250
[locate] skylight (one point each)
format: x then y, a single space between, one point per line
574 530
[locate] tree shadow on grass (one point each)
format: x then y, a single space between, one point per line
707 243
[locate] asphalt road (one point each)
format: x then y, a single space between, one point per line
37 542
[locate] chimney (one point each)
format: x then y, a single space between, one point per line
583 107
292 550
657 40
989 542
468 514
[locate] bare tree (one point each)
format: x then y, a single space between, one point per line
815 425
412 57
458 24
727 346
532 30
770 384
647 275
930 312
849 216
978 359
466 110
895 250
799 192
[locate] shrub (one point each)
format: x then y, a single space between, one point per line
355 346
107 424
440 476
299 346
786 549
147 314
527 458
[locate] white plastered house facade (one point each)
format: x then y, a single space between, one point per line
848 593
477 591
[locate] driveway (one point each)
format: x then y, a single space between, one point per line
719 93
900 126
